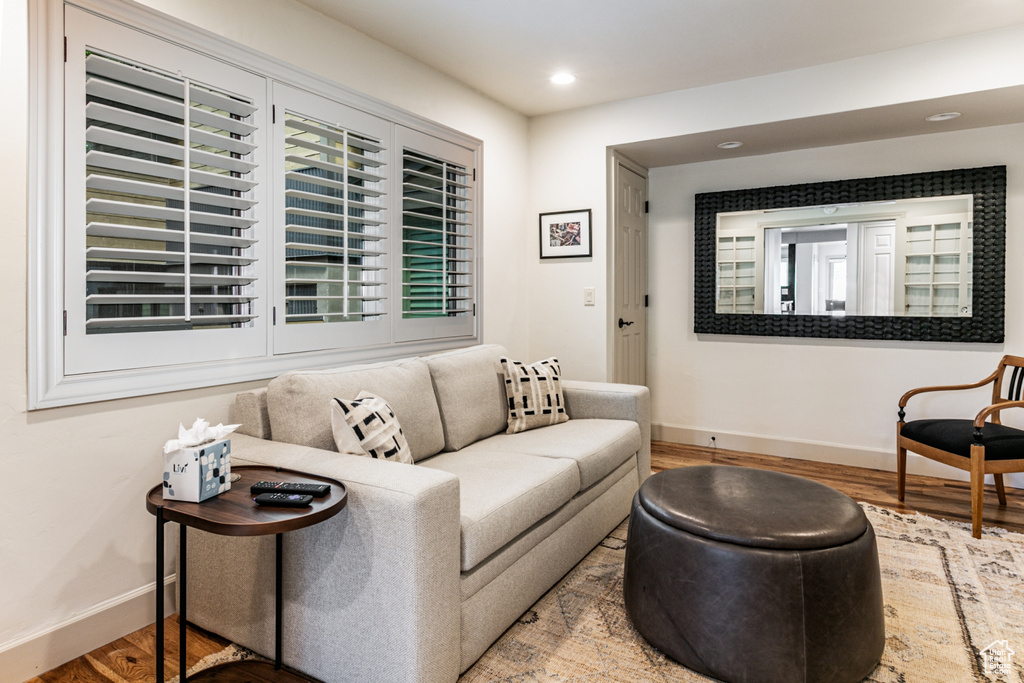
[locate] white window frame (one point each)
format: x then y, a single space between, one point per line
48 382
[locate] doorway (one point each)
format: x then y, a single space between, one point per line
629 272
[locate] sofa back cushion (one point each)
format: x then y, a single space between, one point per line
470 389
299 403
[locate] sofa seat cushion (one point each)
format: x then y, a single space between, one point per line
597 446
502 494
299 403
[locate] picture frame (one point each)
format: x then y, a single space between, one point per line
565 234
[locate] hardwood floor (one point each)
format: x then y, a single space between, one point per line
131 659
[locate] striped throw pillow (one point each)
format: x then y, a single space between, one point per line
534 394
366 425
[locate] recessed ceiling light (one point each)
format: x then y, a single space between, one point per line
563 78
943 117
730 145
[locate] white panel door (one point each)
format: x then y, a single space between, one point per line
630 306
878 269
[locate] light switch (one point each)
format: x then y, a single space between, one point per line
588 296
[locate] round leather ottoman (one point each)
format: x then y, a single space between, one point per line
750 575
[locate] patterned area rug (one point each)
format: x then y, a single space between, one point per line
953 606
950 602
232 653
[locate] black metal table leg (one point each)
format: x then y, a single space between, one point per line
182 588
160 594
278 600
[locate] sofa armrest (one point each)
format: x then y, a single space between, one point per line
372 592
613 401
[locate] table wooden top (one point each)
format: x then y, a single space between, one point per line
234 513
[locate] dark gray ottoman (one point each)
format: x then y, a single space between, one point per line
750 575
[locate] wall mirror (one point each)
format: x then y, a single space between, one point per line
915 257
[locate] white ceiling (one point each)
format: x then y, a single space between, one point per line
981 109
620 49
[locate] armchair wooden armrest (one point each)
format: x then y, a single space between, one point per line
979 420
950 387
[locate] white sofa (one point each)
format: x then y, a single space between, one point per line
429 563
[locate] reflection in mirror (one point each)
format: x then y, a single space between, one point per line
911 257
806 270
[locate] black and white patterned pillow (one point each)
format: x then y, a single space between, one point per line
534 394
366 425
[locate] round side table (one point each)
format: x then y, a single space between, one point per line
233 513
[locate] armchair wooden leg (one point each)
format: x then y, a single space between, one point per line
977 488
1000 489
901 471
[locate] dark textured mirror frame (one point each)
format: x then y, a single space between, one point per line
988 185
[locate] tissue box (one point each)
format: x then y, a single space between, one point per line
196 474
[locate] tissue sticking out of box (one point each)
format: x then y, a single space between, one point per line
201 433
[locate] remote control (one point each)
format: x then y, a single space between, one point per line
286 500
315 490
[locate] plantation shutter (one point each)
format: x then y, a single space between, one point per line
332 230
151 263
166 242
438 259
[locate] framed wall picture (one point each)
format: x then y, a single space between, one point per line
565 234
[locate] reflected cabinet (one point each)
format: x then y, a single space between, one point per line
936 267
737 281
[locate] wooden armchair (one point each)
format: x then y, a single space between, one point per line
980 446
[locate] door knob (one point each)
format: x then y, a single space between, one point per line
623 323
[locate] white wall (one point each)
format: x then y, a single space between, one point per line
820 399
75 537
568 157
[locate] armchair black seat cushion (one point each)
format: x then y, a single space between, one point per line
751 575
956 436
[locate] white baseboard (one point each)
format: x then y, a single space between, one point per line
39 652
815 451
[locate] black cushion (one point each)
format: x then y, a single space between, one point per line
753 508
956 436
